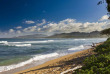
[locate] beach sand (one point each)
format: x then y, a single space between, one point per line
61 64
58 65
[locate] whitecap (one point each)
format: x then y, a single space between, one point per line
77 48
35 58
4 42
79 39
45 41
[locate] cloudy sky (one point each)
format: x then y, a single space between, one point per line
22 17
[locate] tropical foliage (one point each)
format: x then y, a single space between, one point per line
97 64
100 63
106 32
108 4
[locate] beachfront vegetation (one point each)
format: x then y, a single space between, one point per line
99 63
106 32
108 4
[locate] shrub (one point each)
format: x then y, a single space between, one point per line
99 64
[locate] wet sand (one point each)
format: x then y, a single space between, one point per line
55 66
61 64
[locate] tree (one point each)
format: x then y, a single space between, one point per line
106 32
108 5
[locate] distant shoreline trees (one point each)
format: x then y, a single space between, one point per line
106 32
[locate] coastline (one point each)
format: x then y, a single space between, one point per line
61 64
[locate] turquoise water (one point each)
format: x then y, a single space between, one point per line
18 52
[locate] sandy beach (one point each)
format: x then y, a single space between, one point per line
61 64
54 37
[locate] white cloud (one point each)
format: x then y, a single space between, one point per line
70 25
64 26
18 32
103 18
43 22
34 28
30 29
29 22
19 27
11 30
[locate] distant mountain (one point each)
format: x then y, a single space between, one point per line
66 35
32 36
78 35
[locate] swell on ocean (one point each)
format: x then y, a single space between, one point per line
36 50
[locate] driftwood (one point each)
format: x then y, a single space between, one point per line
77 67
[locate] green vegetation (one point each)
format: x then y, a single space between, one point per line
100 63
106 32
97 64
108 4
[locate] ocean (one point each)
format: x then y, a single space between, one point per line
15 53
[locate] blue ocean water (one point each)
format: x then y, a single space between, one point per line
15 53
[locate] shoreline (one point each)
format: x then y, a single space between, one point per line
61 64
52 62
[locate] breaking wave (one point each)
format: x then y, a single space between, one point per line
3 42
19 45
35 58
39 41
24 43
79 39
77 48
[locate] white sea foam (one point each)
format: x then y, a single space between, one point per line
77 48
15 42
24 43
35 58
45 41
4 42
19 45
79 39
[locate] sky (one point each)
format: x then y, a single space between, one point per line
22 17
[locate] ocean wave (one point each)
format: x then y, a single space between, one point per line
24 43
77 48
19 45
4 42
45 41
79 39
35 58
14 42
